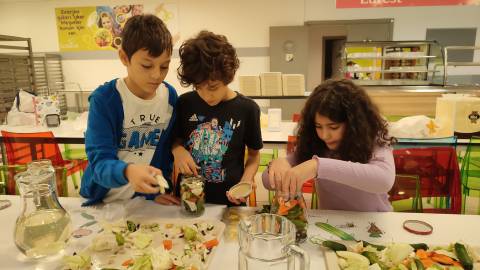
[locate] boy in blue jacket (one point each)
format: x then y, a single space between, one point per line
128 136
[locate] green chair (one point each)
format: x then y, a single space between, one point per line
470 171
405 194
8 185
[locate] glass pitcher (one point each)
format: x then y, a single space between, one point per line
43 227
267 241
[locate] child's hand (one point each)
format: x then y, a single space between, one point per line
184 162
294 178
276 170
241 200
234 200
167 199
142 179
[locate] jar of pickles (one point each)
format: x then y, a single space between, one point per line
192 195
292 206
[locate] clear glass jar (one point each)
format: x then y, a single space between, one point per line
43 226
292 207
192 195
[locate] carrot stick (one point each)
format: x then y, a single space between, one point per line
211 243
167 244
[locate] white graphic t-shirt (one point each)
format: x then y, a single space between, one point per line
143 124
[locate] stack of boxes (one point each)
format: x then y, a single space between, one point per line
273 84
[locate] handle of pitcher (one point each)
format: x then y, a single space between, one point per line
302 255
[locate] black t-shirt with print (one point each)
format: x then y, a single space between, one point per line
216 137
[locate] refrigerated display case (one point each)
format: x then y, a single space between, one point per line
394 62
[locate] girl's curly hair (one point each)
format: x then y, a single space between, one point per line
207 56
342 102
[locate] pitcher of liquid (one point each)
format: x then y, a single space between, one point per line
43 227
267 241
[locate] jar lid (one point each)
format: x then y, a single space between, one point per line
240 190
417 227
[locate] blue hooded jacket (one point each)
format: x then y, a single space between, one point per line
102 140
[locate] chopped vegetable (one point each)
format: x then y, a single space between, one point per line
119 238
442 259
419 246
142 240
355 261
128 262
335 246
397 252
167 244
377 247
78 262
189 233
463 256
142 263
211 243
335 231
131 226
161 260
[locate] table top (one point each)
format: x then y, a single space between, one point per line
74 132
69 132
447 229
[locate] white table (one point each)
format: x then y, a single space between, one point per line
69 132
447 229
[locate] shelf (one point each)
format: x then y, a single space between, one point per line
392 71
464 64
378 60
279 97
392 82
392 57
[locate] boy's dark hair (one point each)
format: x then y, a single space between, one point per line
207 57
146 32
342 102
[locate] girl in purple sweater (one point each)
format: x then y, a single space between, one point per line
343 143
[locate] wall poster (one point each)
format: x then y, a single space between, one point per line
94 28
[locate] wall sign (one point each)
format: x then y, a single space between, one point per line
401 3
99 27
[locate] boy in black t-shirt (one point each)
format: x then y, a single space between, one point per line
214 124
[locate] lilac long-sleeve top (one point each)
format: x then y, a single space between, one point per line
345 185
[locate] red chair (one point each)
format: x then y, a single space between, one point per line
438 172
22 148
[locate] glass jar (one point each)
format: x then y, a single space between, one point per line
292 207
43 226
192 195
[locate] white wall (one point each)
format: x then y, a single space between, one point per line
410 23
246 24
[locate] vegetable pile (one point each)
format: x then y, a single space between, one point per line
150 246
400 256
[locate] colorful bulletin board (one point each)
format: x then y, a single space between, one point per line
99 27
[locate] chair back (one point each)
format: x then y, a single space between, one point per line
22 148
426 142
471 165
437 168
